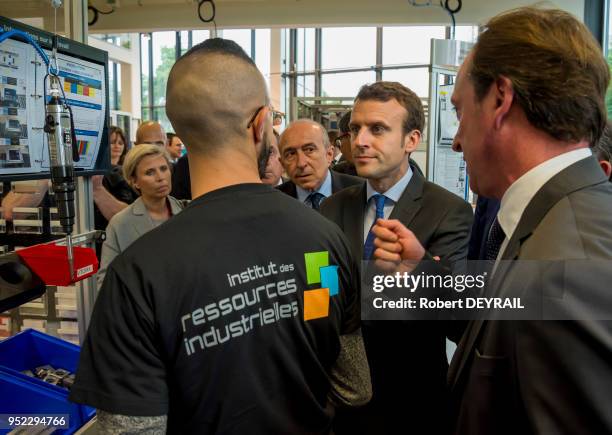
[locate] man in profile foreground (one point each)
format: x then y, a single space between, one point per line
530 98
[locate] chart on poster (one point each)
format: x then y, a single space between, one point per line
83 84
82 71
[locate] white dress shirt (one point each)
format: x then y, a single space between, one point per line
392 196
521 192
324 189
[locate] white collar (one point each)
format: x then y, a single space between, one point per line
521 192
395 192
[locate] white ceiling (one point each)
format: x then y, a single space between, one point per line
152 15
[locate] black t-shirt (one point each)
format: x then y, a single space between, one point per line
227 318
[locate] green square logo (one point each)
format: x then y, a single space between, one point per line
314 262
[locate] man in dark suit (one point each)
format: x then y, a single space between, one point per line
306 155
407 359
181 179
525 134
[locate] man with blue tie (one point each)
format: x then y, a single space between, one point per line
407 359
306 154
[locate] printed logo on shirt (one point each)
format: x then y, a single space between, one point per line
258 296
319 272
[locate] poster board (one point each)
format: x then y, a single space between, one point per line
84 77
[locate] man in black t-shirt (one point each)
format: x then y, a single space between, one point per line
253 326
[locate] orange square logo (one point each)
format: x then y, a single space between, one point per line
316 303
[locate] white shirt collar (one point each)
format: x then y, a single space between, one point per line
325 189
395 192
521 192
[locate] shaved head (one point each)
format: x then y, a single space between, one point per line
213 91
151 132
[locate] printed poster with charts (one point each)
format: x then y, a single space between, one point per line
84 86
15 101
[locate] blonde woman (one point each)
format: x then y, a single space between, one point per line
147 169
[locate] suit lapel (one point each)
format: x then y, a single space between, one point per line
336 183
140 218
410 202
353 220
581 174
291 189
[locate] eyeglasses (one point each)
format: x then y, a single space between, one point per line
254 116
275 115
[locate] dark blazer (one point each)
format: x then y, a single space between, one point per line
345 167
545 377
181 179
339 182
407 359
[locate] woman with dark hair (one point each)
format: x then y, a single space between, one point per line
118 145
113 181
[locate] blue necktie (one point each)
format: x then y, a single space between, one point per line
368 248
315 199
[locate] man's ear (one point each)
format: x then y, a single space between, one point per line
503 92
412 141
259 124
606 166
329 154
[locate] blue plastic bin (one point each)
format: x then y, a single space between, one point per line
22 394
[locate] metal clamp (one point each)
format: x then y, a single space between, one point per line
81 239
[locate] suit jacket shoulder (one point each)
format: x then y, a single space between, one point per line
181 179
345 200
288 187
544 366
342 181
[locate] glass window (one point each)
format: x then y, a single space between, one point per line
262 52
609 58
144 67
120 40
345 84
305 52
159 114
118 84
306 85
111 85
409 44
163 58
466 33
146 113
198 36
348 47
242 37
184 42
417 79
